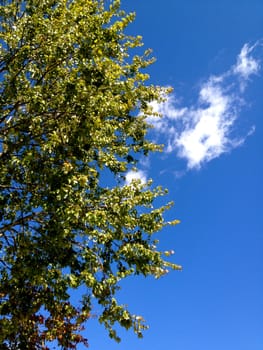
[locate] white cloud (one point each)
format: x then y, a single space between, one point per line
202 132
246 64
135 175
166 109
205 137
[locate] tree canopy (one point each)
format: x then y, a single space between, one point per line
74 104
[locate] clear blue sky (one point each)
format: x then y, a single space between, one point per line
211 52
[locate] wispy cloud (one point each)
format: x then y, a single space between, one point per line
246 64
203 131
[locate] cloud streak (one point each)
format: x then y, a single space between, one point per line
246 64
203 131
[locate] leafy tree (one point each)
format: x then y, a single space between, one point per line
74 104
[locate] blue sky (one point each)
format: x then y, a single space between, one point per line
211 53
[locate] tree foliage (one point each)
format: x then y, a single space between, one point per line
71 92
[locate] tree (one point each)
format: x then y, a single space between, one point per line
74 105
